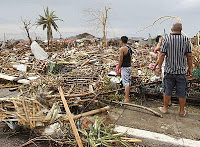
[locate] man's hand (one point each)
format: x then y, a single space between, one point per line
118 70
189 71
158 72
154 68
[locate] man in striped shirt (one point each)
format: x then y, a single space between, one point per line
175 49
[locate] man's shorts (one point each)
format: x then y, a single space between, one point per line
175 80
126 75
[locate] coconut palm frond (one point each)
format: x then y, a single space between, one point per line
99 135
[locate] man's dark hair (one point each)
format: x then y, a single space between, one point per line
124 39
158 37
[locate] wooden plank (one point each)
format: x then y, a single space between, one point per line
78 139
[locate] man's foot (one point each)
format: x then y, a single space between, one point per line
162 109
183 114
126 101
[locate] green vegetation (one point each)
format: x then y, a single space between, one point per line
196 73
48 21
100 135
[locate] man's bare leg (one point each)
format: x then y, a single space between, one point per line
182 105
170 102
166 99
127 92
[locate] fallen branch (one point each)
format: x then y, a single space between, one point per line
137 106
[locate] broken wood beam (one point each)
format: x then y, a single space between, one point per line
78 139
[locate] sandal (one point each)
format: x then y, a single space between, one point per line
183 115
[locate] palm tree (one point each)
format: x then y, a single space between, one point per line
48 21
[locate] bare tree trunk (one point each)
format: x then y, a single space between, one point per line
105 17
27 26
104 36
100 17
48 37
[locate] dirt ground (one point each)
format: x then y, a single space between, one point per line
12 141
171 124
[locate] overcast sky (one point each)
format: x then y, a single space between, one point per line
125 16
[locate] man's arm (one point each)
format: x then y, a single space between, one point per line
163 51
161 59
160 62
121 53
189 57
189 62
156 64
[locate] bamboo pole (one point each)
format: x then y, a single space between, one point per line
10 86
85 62
78 139
25 110
89 113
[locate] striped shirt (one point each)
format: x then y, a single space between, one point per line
175 47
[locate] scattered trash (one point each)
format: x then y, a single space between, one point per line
38 52
87 75
20 67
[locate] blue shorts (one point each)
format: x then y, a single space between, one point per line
175 80
126 75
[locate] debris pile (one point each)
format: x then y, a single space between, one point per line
83 70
